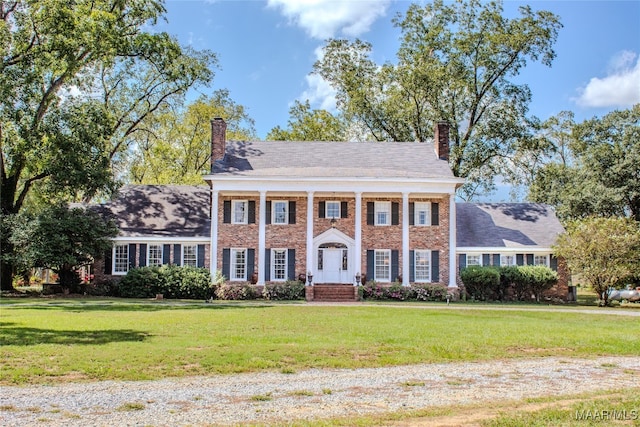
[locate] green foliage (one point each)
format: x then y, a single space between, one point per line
456 62
170 280
482 283
236 292
510 282
604 252
289 290
538 279
594 167
306 124
398 292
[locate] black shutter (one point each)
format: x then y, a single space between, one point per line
394 265
251 219
132 255
226 263
371 260
496 259
200 256
462 261
554 263
143 254
267 214
435 266
412 266
412 213
177 254
371 214
267 265
251 262
291 264
321 209
529 259
344 210
519 259
226 212
486 259
166 254
108 261
395 213
435 213
292 212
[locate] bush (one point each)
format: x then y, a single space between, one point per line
538 279
429 292
143 282
481 283
397 292
511 279
170 280
289 290
243 291
372 290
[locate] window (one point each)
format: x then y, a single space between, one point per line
541 260
382 265
238 264
121 259
155 255
382 213
280 212
332 210
422 266
507 260
278 264
474 260
239 212
422 214
320 259
190 255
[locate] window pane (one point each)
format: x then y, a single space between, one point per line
238 264
333 210
155 255
190 257
422 270
280 212
383 266
540 260
239 212
474 260
422 214
507 260
279 264
383 213
121 259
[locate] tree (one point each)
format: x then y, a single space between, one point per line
64 239
601 176
306 124
76 80
455 63
605 252
176 147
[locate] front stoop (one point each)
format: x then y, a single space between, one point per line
332 293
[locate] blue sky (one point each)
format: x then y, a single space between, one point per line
267 49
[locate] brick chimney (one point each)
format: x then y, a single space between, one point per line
218 139
441 140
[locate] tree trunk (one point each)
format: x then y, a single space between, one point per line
6 275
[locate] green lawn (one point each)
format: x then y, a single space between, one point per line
44 341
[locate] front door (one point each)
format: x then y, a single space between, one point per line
332 265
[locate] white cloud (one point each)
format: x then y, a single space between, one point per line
620 88
323 19
319 93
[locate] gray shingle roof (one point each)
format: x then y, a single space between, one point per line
506 225
332 159
161 211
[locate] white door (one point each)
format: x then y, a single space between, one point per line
332 265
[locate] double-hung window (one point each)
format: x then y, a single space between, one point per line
382 213
239 212
382 265
541 260
332 209
474 260
422 213
238 264
121 259
422 266
507 260
280 212
190 255
278 264
155 255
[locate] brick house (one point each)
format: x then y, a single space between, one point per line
329 213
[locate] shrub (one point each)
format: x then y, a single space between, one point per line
143 282
397 292
538 279
482 283
243 291
170 280
373 290
289 290
429 292
511 279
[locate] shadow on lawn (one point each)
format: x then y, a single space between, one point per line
79 306
21 336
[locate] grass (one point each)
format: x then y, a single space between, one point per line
50 341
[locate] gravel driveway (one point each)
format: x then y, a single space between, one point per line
279 397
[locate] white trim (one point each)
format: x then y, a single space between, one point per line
310 264
504 250
213 238
377 208
453 259
428 218
232 263
326 208
375 264
182 253
262 237
334 235
162 261
113 259
272 264
405 240
357 258
273 211
415 265
133 239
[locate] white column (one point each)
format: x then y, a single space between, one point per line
262 236
405 239
452 241
357 257
213 248
310 267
